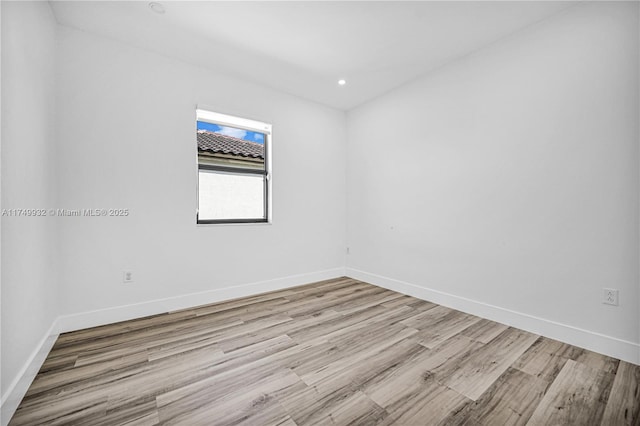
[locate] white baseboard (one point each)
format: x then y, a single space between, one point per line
65 323
17 389
607 345
126 312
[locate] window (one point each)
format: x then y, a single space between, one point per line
234 175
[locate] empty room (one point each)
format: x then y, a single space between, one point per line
320 213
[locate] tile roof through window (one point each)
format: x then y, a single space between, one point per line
224 144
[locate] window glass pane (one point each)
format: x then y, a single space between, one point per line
228 146
230 196
233 169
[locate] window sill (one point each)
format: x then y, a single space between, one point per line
205 224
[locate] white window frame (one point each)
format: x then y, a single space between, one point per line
209 116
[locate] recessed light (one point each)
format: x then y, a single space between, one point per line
157 7
342 82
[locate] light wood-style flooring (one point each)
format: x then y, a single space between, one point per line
334 352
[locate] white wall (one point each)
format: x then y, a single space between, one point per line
127 139
510 178
29 296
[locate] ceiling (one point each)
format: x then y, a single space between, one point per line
303 47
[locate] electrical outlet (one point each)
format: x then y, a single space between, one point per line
610 296
127 277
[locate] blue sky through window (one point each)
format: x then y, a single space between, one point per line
247 135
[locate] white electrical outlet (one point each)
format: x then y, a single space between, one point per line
610 296
127 277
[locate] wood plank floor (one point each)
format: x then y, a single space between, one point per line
334 352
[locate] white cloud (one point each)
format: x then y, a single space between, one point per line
257 136
232 131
